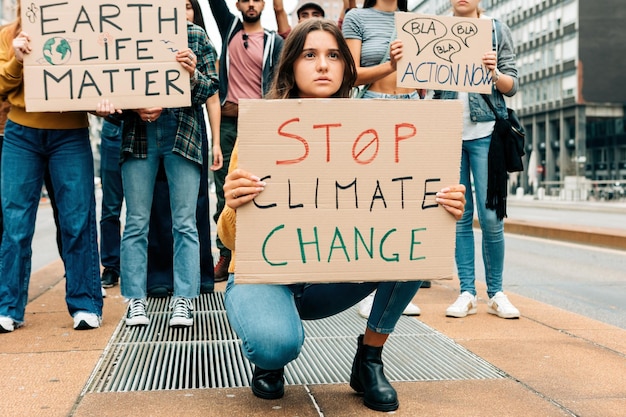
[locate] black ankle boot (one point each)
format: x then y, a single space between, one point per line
269 385
368 379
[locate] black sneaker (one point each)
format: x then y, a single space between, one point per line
110 278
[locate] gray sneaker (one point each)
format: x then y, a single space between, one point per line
181 314
136 314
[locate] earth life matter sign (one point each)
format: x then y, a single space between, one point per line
350 192
86 50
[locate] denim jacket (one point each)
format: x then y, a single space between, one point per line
479 109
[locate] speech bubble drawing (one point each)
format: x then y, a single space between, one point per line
424 31
445 48
464 30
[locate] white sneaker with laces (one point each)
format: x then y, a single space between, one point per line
500 305
84 320
181 314
365 307
136 313
465 304
7 325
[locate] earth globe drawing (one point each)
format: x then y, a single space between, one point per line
57 51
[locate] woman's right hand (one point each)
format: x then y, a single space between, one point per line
21 46
241 187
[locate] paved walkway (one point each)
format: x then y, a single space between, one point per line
556 364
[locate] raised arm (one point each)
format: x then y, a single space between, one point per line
281 17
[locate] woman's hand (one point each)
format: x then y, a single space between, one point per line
188 60
490 60
218 158
395 53
21 46
241 187
149 114
453 200
106 108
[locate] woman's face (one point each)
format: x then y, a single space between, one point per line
319 69
465 8
189 11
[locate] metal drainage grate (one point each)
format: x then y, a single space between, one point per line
208 355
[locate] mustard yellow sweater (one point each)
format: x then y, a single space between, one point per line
226 224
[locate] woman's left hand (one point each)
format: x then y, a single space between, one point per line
188 60
453 200
490 60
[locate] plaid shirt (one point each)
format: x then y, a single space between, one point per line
188 142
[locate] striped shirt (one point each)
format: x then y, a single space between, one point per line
374 28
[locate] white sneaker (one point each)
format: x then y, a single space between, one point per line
465 304
104 293
412 310
7 325
365 307
181 316
136 313
500 305
84 320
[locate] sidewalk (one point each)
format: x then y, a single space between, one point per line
554 363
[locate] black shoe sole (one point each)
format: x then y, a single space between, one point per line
382 407
268 395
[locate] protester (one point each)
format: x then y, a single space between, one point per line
247 63
112 200
34 141
268 318
371 36
478 124
173 135
160 240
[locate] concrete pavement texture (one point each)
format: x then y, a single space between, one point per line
554 363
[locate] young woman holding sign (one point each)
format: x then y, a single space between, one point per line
478 124
268 318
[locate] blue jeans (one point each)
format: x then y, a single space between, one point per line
183 177
67 154
112 195
268 318
474 159
160 241
374 94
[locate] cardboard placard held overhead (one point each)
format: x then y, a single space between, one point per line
350 192
84 51
444 52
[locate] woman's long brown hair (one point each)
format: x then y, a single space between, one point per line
284 83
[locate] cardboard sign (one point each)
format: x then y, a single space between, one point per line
444 52
350 190
121 50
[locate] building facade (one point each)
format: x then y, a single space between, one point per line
570 56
